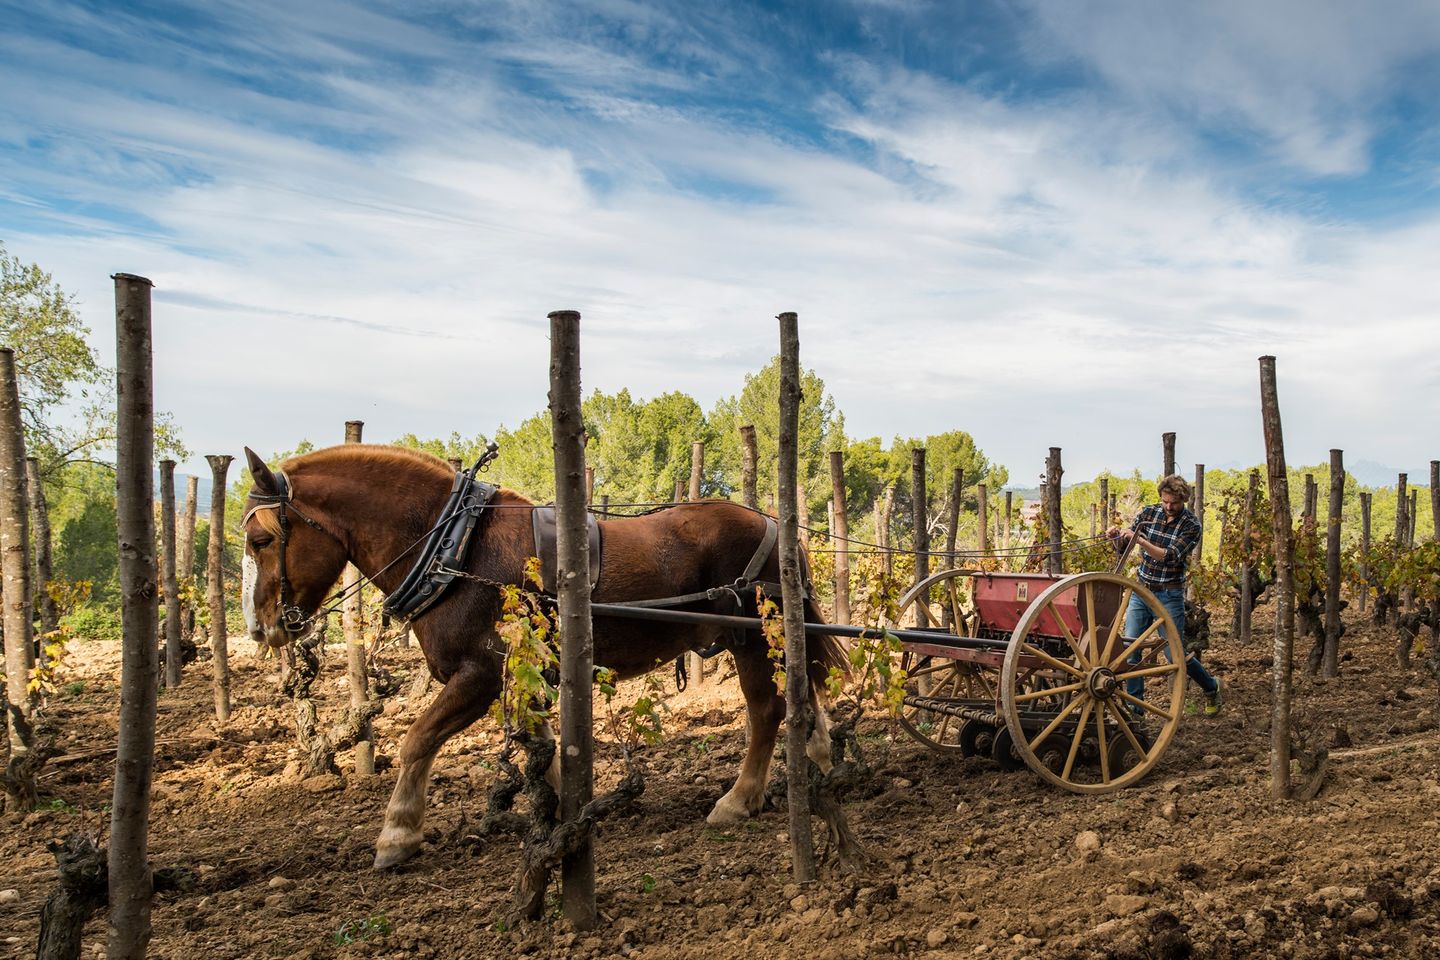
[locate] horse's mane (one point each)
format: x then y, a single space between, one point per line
362 456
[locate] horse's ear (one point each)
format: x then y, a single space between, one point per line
264 479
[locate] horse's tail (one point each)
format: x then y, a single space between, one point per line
825 652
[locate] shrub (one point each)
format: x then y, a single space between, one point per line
89 622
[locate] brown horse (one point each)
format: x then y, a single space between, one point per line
368 504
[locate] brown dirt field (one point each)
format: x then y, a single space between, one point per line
1196 861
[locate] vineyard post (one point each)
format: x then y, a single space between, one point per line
1364 549
1167 442
1309 523
747 467
1284 581
577 870
1053 472
357 670
1247 559
173 656
952 531
1094 518
840 534
884 511
1113 509
1330 663
802 514
130 880
922 533
679 493
604 504
983 506
215 585
1402 530
1312 503
15 569
1197 503
694 663
697 467
456 464
1435 497
589 486
1412 515
797 721
40 534
1009 506
186 549
1108 520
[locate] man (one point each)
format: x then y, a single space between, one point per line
1166 534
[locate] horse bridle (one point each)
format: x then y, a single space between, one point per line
292 618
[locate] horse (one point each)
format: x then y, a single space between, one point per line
368 504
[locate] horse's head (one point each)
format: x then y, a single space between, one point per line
291 560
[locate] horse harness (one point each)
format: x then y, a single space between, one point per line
292 618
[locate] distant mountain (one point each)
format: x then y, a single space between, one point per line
1371 474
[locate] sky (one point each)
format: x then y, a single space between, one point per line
1045 222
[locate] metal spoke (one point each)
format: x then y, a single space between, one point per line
1057 664
1075 743
1048 692
1059 717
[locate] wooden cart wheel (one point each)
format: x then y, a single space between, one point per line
943 679
938 677
1068 689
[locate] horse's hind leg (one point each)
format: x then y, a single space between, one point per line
464 699
766 709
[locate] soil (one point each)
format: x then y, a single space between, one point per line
970 862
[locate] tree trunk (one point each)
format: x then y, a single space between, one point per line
215 586
589 485
1402 503
952 530
1009 509
841 538
1284 582
357 667
1053 472
1167 442
797 705
1435 497
922 533
185 553
982 506
131 884
174 658
1330 663
15 570
44 570
577 871
747 467
884 512
1107 519
1197 506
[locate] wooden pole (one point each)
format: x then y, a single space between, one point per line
1284 582
589 485
697 467
1330 662
215 585
130 880
1435 497
884 512
40 529
1105 509
922 533
840 540
1402 503
1365 499
1198 506
982 494
952 530
186 548
1009 509
1167 441
173 655
797 721
357 667
1053 472
1247 599
1412 516
577 871
747 467
15 569
679 495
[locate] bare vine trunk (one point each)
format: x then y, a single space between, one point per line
747 467
1053 472
1167 442
186 556
841 538
174 658
357 667
1284 582
922 533
1334 629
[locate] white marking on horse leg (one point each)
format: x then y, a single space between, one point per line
817 748
400 839
745 799
249 573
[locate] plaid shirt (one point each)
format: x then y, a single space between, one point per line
1178 537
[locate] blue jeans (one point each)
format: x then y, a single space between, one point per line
1138 616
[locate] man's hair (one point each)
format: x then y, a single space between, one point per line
1176 485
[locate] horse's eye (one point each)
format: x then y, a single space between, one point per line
260 543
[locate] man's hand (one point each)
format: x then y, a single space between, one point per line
1117 533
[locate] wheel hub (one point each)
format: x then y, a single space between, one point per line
1102 683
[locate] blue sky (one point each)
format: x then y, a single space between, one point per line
1047 223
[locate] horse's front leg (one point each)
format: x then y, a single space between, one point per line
464 699
766 708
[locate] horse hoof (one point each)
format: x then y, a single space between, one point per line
728 811
392 850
